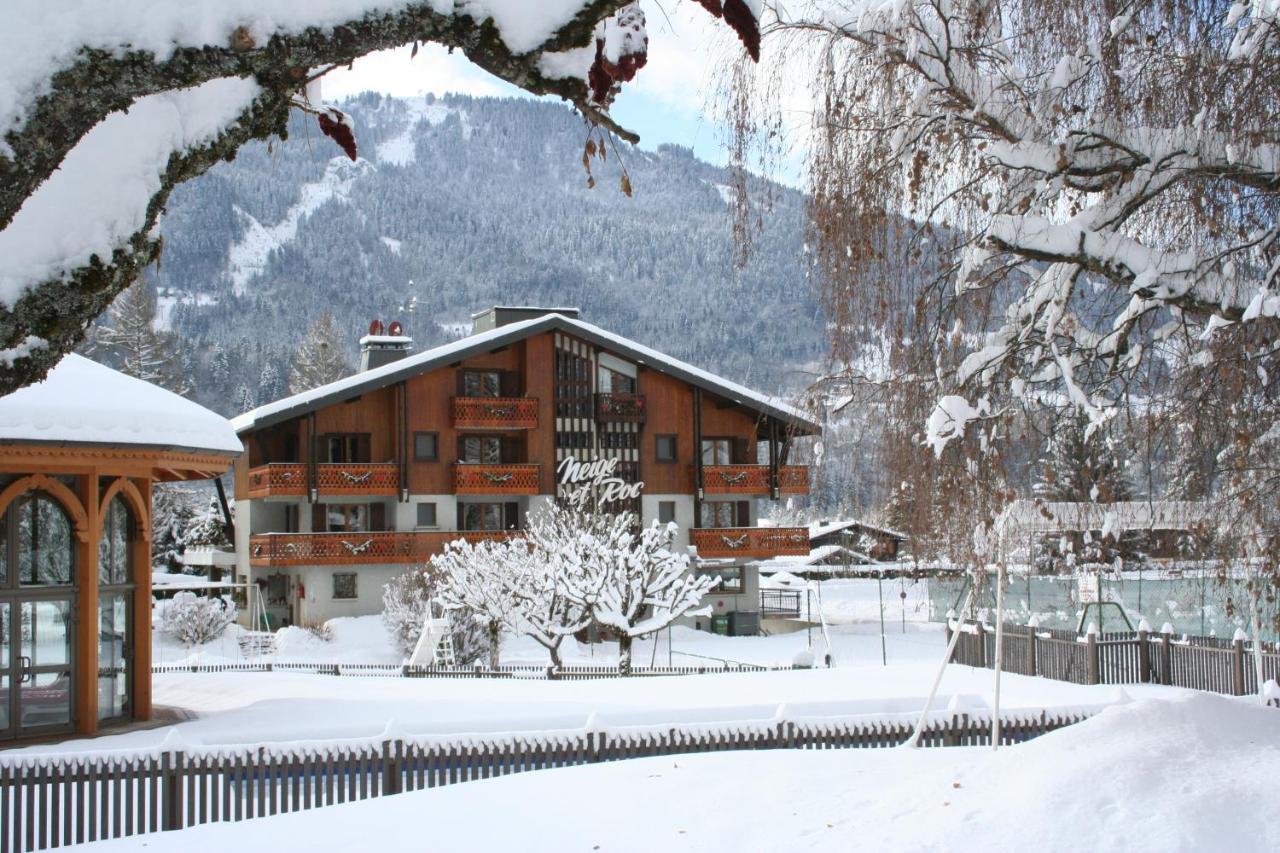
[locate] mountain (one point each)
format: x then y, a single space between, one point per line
465 203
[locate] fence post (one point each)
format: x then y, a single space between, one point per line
1032 624
171 784
1166 653
1237 663
1091 653
1144 652
982 642
391 752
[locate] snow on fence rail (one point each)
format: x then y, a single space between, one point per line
564 673
1139 657
52 800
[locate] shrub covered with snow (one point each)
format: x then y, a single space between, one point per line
194 620
405 601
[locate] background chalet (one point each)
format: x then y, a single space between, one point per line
344 486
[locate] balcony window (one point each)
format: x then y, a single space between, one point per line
481 450
613 382
489 516
664 447
347 447
342 518
725 514
717 451
666 512
481 383
426 515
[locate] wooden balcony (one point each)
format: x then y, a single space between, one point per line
498 413
620 408
333 549
332 478
750 542
512 479
754 479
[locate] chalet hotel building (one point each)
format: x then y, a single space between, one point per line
342 487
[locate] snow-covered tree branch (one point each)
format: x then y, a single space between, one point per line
106 107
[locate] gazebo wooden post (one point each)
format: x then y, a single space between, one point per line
86 609
140 678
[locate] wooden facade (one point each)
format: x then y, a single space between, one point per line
84 482
478 431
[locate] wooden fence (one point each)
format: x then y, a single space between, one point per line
50 801
1140 657
531 671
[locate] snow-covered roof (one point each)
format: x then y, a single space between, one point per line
1062 516
386 340
483 342
818 529
83 402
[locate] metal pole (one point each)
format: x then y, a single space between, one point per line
808 614
937 679
902 599
1202 586
884 658
999 662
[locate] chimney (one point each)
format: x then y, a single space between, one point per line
501 315
383 346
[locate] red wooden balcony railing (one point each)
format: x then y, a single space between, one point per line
753 542
279 479
754 479
352 548
332 478
472 479
620 408
495 413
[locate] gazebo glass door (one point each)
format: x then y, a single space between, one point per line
44 666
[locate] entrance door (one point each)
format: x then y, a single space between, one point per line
36 674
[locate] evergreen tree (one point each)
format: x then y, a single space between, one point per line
1080 469
130 341
269 385
244 398
320 357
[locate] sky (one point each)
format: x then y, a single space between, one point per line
670 101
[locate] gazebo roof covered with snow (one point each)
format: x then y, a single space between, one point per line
79 453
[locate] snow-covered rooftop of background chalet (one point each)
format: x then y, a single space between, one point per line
83 402
823 528
644 355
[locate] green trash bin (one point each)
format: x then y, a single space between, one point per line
720 624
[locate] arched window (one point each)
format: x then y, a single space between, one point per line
115 549
38 542
115 607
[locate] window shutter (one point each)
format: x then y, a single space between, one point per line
377 517
462 379
511 515
318 521
744 514
364 448
462 448
510 383
510 451
742 452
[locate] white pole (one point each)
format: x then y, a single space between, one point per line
937 679
995 714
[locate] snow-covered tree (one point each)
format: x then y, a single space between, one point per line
244 398
129 340
270 385
173 508
107 108
632 584
194 620
207 530
1082 466
320 358
406 601
473 580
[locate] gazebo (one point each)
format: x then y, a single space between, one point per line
79 453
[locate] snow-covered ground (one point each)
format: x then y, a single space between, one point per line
1192 773
252 707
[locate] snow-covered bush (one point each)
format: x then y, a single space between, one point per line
194 620
405 600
